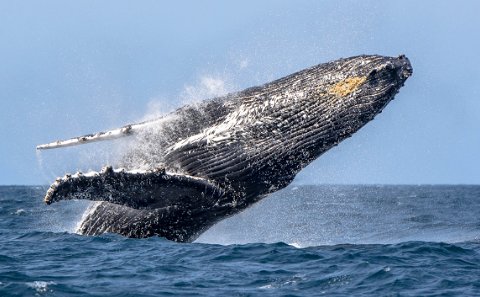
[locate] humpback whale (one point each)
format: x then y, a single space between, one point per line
204 162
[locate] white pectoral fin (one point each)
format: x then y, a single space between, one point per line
99 136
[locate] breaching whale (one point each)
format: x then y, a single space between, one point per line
204 162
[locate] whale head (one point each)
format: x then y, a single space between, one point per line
333 101
277 129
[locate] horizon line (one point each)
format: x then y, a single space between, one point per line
309 184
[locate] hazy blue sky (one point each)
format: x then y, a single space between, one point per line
69 68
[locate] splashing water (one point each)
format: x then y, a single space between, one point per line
207 87
143 151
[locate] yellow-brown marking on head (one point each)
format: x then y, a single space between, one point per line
347 86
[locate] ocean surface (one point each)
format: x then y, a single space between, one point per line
301 241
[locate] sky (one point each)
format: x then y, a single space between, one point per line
68 68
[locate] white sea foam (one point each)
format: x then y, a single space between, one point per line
291 281
20 211
296 245
40 286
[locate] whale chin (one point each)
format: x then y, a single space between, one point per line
205 162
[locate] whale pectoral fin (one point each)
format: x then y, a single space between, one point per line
124 131
145 189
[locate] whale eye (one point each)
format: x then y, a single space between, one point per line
347 86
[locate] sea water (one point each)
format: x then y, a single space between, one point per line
301 241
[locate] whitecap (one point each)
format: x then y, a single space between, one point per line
40 286
20 211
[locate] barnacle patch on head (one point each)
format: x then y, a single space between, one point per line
347 86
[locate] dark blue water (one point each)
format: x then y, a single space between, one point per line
303 241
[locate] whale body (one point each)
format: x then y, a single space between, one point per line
207 161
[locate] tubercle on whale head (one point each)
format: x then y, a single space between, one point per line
403 63
398 69
384 81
